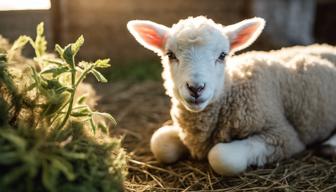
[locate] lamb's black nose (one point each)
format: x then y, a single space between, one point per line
196 89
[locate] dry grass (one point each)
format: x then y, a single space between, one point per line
142 108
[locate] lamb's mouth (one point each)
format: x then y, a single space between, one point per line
195 105
193 101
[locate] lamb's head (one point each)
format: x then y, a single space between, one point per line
194 53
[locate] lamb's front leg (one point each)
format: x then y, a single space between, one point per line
166 144
275 144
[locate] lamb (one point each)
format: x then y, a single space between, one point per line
237 111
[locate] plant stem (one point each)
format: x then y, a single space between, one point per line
72 96
59 111
74 86
84 74
67 115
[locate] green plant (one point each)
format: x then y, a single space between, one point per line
49 83
46 142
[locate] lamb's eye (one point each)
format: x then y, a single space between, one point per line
222 56
171 55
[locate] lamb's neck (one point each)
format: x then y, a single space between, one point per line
204 121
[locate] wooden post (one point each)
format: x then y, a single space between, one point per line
56 21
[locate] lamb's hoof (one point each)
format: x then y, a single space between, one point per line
227 159
166 145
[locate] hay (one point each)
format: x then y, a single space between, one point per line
141 108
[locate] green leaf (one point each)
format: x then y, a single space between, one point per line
102 63
59 50
99 76
65 167
106 115
36 77
81 99
92 125
53 84
54 61
19 142
20 42
74 155
62 89
71 50
102 126
48 177
81 113
40 29
56 71
77 45
68 55
40 44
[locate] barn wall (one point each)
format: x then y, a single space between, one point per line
24 22
103 22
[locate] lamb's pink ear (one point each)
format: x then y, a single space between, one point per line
244 33
149 34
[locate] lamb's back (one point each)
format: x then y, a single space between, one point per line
298 82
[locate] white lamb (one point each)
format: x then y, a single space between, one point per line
243 110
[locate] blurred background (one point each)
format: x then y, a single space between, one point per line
103 24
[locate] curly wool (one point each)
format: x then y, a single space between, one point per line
265 91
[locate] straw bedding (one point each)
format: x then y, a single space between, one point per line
140 108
